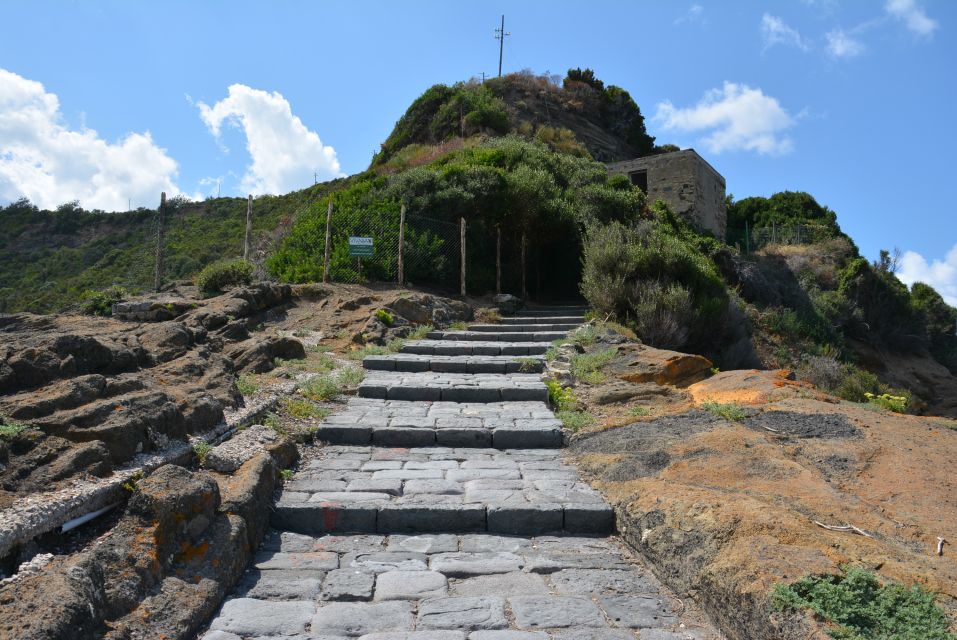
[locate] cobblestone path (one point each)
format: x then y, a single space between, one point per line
442 509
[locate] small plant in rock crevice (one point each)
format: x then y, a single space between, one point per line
202 449
561 398
246 385
285 475
730 411
10 427
528 365
638 412
576 420
385 317
587 366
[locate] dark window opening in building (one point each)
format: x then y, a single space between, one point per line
640 180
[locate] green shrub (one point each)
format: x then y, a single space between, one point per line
351 376
303 409
561 398
10 427
889 402
638 412
857 383
246 384
528 365
654 279
730 412
285 475
202 449
385 317
100 303
367 350
216 277
273 421
861 608
587 366
420 332
575 420
321 388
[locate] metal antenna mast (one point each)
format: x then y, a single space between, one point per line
500 36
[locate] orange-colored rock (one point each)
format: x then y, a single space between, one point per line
751 386
640 363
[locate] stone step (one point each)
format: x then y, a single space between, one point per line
453 387
450 587
397 423
455 364
501 336
553 311
519 319
474 348
440 490
524 328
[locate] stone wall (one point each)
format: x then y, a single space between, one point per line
690 186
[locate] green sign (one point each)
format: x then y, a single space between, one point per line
360 247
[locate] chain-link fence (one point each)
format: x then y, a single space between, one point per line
432 252
749 240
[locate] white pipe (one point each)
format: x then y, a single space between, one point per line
76 522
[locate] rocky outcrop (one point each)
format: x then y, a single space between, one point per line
639 363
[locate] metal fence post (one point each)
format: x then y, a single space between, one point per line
524 288
160 223
498 259
325 263
401 264
249 228
462 243
747 238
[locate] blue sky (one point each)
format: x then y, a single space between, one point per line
111 101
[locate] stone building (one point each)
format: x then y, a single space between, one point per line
683 179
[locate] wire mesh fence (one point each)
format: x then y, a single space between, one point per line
749 240
360 262
432 252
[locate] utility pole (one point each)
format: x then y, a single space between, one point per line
500 35
483 77
315 178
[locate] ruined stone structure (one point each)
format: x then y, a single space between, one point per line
683 179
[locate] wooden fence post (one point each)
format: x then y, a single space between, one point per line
160 231
325 262
524 288
462 243
498 259
402 245
247 245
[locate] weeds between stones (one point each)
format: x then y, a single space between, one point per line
730 411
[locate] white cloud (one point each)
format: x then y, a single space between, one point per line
841 44
44 160
940 274
912 15
738 118
695 14
284 152
775 31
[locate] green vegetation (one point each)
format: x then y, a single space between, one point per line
562 398
202 449
100 303
222 274
368 350
730 411
10 427
783 208
385 317
487 315
247 385
420 332
321 388
576 420
587 366
527 365
459 326
273 421
303 409
285 475
351 376
889 402
584 336
638 412
861 608
653 277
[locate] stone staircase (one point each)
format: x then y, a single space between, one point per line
442 509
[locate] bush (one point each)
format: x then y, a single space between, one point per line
576 420
385 317
864 609
10 427
100 303
202 449
247 385
561 398
889 402
587 366
655 280
218 276
730 412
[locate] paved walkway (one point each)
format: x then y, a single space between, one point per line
442 510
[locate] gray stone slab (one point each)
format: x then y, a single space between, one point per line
529 519
410 585
508 635
317 518
584 633
638 612
484 542
281 584
462 564
344 433
315 560
426 543
356 619
463 437
549 612
504 584
465 613
403 437
251 617
346 497
382 561
551 562
589 518
415 635
401 518
347 584
593 582
446 487
526 438
390 486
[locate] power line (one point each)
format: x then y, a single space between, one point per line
500 35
